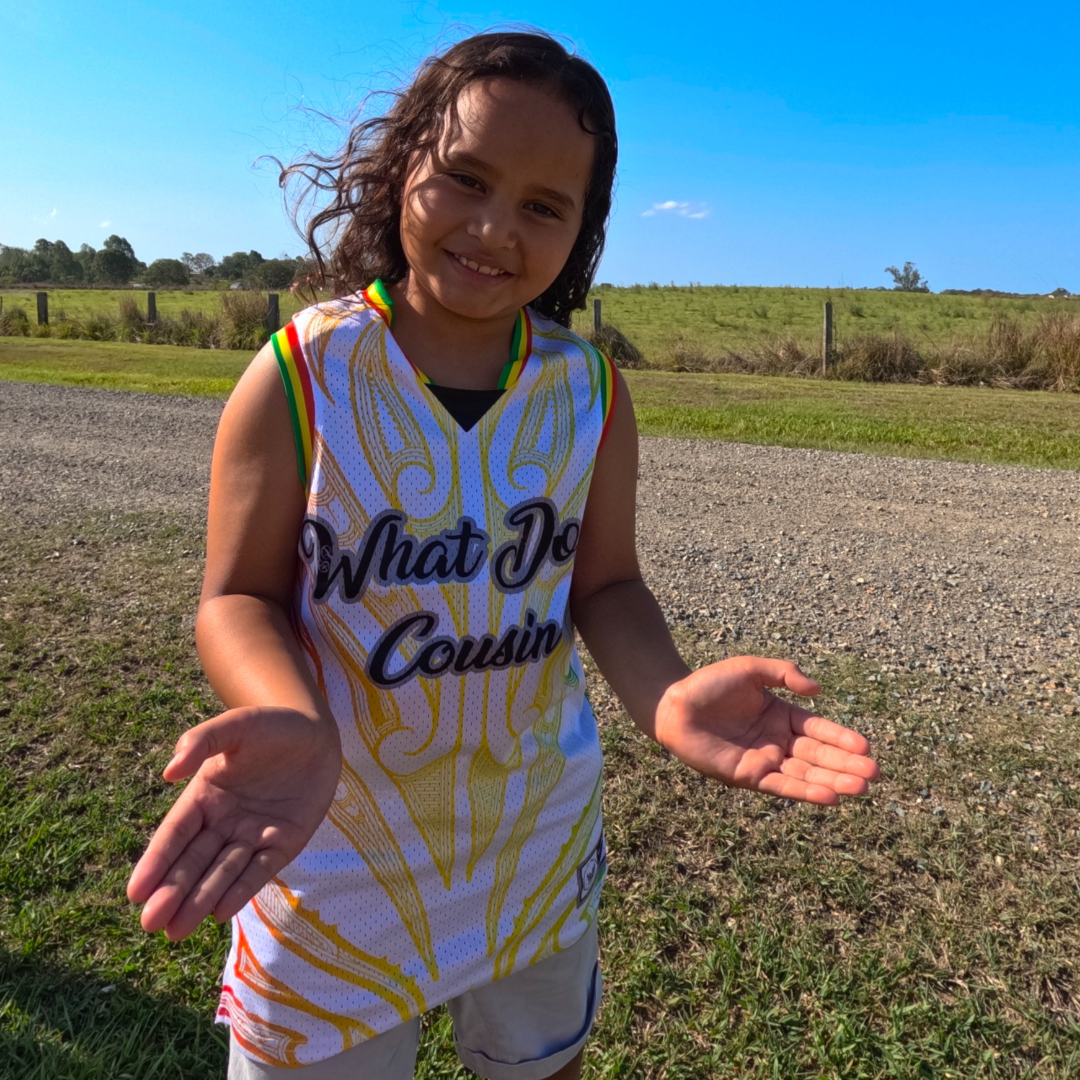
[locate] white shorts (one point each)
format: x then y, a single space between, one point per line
523 1027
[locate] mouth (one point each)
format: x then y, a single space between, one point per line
479 268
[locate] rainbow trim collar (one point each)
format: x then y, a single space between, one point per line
378 299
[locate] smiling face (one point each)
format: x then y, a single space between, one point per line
488 220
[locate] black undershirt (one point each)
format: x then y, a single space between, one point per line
467 407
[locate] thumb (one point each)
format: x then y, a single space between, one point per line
782 674
221 735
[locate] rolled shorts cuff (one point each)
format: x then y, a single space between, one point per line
535 1068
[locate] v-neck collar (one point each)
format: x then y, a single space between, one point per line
378 299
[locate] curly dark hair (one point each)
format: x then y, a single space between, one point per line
356 238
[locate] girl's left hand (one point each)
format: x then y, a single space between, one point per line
721 721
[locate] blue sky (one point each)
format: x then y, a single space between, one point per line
760 144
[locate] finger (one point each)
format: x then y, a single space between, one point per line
789 787
221 735
182 877
264 866
180 826
780 673
230 863
842 783
832 757
828 731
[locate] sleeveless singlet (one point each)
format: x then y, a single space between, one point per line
464 841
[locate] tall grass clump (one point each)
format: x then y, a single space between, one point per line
877 358
612 342
1058 338
244 320
14 323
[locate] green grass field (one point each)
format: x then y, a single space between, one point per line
714 318
722 318
743 938
78 303
958 423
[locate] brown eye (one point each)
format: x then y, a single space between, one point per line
542 209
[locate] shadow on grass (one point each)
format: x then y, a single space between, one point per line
63 1024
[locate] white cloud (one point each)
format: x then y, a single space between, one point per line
53 214
696 211
104 224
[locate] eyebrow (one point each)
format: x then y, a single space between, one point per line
552 195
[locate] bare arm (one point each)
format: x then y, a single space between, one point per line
263 772
721 719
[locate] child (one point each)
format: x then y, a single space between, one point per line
419 491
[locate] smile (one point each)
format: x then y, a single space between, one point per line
490 271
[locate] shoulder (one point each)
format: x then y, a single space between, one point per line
550 336
353 312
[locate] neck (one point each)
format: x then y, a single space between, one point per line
450 349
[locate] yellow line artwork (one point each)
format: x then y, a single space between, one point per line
304 933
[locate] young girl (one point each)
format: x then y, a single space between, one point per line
419 492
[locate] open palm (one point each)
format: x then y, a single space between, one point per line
722 721
262 781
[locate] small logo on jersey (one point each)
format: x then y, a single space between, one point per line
591 871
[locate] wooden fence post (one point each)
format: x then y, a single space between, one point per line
43 309
273 314
826 338
151 307
596 315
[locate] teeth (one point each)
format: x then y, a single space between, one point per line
491 271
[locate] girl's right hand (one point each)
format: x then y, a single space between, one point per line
262 781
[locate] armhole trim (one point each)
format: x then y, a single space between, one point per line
297 380
609 389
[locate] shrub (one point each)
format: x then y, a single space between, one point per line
244 317
14 323
98 326
131 324
614 343
1058 340
874 358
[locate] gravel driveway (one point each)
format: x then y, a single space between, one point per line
970 569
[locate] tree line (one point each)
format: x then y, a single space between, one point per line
52 262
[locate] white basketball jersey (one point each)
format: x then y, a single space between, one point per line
464 841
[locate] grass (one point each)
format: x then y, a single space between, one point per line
80 303
720 318
952 423
112 365
955 423
929 931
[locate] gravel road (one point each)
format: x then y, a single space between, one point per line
970 569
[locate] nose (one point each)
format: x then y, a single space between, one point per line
493 225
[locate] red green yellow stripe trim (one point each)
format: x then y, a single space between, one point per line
609 388
379 299
520 351
297 380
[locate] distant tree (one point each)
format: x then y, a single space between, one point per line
274 273
199 264
118 243
1061 293
85 258
113 267
15 263
239 265
64 269
909 279
167 272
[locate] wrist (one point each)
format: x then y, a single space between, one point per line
670 706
